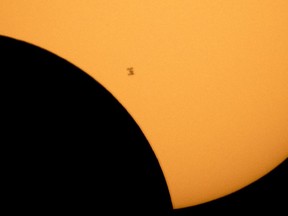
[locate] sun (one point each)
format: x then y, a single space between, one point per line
206 81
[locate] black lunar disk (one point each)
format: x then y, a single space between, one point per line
71 146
